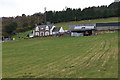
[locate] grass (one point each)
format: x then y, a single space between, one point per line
22 35
65 57
104 20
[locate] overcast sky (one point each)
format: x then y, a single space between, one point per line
13 8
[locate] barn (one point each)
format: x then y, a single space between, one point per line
93 28
107 27
82 29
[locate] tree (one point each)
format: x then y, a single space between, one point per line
10 27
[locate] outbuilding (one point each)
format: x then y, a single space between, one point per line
81 29
93 28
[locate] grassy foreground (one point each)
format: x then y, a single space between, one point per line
66 57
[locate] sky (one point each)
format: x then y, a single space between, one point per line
12 8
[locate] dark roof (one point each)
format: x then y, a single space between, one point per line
42 27
107 24
56 29
89 24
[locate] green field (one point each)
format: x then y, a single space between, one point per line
65 57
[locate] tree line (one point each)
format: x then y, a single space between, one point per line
70 14
14 25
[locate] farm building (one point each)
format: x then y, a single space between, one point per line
92 29
106 27
82 29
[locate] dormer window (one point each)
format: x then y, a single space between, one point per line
47 28
42 28
37 28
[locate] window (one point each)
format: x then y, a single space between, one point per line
47 28
37 33
41 33
46 33
37 29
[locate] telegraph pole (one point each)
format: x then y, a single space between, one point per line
45 15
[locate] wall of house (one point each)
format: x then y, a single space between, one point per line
61 30
37 32
51 30
46 32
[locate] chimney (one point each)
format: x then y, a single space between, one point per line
116 1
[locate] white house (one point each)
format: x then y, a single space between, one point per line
45 30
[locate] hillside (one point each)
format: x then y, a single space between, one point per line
18 24
104 20
66 57
65 25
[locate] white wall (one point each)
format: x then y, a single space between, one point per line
51 30
37 34
37 29
46 33
61 30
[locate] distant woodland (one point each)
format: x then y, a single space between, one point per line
18 24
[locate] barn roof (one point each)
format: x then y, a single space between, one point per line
81 28
75 27
107 24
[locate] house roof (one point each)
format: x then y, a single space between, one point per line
43 27
56 29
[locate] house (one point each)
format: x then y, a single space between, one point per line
58 30
43 30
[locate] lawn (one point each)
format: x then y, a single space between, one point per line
65 57
22 35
